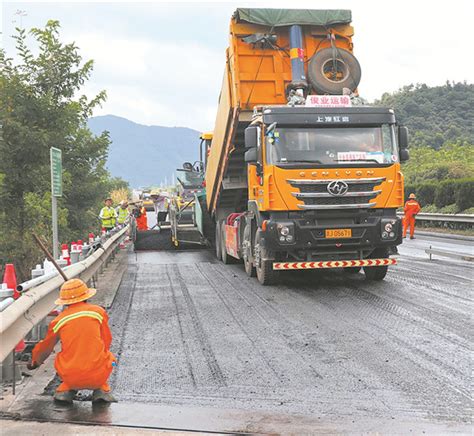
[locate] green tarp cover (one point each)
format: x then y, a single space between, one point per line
288 17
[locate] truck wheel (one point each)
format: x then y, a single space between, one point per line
218 241
376 273
247 251
226 258
266 275
329 75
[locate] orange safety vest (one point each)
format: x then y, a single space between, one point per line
85 361
411 208
142 220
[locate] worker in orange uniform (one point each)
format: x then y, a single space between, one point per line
85 361
412 207
142 220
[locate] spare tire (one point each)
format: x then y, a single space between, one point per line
329 76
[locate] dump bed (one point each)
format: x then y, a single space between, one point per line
257 72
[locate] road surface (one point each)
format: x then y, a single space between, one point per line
202 346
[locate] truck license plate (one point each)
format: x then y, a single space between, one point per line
339 233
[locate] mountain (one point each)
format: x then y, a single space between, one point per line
145 155
435 115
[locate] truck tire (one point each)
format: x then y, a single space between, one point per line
247 251
376 273
266 275
225 257
321 71
218 241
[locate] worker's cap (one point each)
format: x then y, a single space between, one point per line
107 199
412 195
124 203
74 291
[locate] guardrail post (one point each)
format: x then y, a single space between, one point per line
9 371
431 254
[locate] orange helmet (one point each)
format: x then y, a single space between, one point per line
74 291
412 195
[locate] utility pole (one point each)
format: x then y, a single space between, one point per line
56 191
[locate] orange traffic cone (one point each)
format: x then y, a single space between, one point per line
9 277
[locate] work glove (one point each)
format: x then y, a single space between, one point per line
32 365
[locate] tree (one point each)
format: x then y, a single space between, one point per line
435 115
41 107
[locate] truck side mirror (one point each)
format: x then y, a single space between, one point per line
402 137
251 155
251 137
404 155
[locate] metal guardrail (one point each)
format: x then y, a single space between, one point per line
448 218
17 320
446 253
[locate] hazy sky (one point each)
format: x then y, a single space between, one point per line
162 63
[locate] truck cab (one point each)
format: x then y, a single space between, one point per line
325 183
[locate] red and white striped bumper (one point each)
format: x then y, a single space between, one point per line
333 264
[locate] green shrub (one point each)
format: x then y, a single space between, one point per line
429 208
444 193
426 193
450 209
464 193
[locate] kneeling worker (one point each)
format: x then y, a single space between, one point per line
85 361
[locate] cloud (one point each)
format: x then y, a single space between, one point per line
163 63
155 82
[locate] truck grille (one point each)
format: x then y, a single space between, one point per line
315 194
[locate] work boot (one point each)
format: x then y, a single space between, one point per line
100 395
412 237
65 396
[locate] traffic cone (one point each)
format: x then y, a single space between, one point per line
91 238
9 277
65 253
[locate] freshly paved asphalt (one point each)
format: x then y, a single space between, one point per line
202 346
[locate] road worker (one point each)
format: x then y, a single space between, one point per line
108 215
85 361
160 202
411 209
142 221
122 212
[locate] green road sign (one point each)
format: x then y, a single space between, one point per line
56 172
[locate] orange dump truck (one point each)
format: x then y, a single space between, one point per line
300 173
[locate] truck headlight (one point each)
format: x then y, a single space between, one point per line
285 232
388 229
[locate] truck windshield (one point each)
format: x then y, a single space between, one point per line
332 145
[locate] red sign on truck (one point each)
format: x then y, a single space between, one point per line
328 101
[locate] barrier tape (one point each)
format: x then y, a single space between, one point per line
333 264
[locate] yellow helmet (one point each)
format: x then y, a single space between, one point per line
74 291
